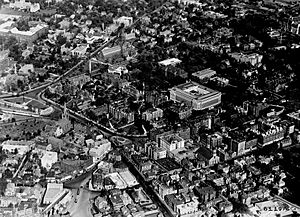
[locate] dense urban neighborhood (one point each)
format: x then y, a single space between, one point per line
149 108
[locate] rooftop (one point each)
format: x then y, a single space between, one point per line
204 72
195 90
294 115
171 61
8 27
168 164
53 189
172 138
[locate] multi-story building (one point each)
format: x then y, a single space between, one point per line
295 117
251 142
132 91
25 5
205 193
20 146
253 58
152 114
109 52
171 142
156 153
238 145
79 80
99 149
7 29
195 95
119 110
170 62
254 108
52 191
181 110
127 21
183 204
80 50
212 140
207 157
205 73
270 136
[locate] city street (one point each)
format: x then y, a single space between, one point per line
80 206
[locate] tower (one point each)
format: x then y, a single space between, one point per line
65 112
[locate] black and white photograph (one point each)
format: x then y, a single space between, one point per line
149 108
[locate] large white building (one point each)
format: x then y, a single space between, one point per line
8 29
252 58
25 5
128 178
205 73
52 192
99 149
171 142
170 62
21 146
195 95
127 21
48 159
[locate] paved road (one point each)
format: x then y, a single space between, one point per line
81 208
68 72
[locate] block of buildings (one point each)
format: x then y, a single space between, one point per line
7 29
295 118
127 21
205 73
109 52
152 114
170 62
183 204
171 142
52 192
48 159
207 156
119 110
195 95
25 5
252 58
205 193
20 146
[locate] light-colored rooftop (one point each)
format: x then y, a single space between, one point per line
53 189
6 17
195 91
204 72
171 61
7 27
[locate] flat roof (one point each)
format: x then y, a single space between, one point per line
53 189
7 17
195 90
111 50
172 138
204 72
170 61
168 164
128 178
7 27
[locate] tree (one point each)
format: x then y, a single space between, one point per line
22 25
10 41
61 40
